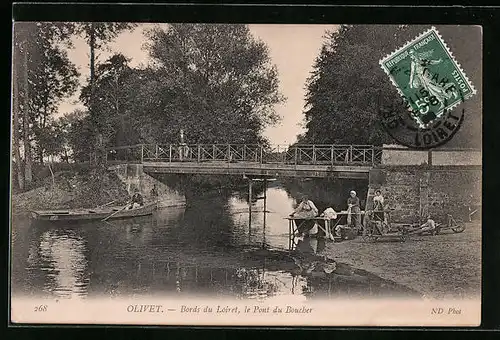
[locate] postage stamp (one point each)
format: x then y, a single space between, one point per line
428 77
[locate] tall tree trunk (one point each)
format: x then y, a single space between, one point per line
28 175
40 155
99 138
15 123
121 139
92 74
92 59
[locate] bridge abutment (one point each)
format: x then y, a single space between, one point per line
416 191
133 176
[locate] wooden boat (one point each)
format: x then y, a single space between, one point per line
93 214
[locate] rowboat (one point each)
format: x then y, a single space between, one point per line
94 214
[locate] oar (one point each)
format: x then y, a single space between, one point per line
116 212
101 206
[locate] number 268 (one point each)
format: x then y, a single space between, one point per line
41 308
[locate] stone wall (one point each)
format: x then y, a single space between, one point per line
393 155
414 192
454 191
134 177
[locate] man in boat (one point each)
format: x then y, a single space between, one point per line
154 192
304 212
137 200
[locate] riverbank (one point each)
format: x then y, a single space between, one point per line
72 189
443 266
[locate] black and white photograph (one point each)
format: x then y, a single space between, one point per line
246 174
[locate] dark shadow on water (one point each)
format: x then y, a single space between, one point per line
192 250
129 257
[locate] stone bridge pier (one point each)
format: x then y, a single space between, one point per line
133 176
416 192
420 183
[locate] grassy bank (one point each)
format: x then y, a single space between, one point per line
441 266
84 188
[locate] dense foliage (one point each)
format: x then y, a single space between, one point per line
348 87
215 82
42 76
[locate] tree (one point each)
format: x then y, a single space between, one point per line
216 82
77 130
38 66
56 78
15 120
348 87
97 34
53 138
344 91
114 85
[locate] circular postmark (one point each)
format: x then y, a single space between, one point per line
422 129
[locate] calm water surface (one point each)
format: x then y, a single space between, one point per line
210 247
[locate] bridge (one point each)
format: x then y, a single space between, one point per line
336 161
415 175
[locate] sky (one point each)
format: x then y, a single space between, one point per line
293 49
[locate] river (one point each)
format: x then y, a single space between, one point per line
210 247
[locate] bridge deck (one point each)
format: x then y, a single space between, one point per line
260 169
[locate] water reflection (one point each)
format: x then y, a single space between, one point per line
210 247
60 254
250 230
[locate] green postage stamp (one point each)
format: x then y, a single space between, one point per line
428 77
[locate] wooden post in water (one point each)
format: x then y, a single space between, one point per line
265 213
249 206
332 156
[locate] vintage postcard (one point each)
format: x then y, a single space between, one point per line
246 174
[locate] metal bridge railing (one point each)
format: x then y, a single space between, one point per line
251 153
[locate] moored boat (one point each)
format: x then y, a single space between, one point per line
94 214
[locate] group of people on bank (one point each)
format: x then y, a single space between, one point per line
306 211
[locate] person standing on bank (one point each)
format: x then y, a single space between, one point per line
305 211
354 211
378 206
